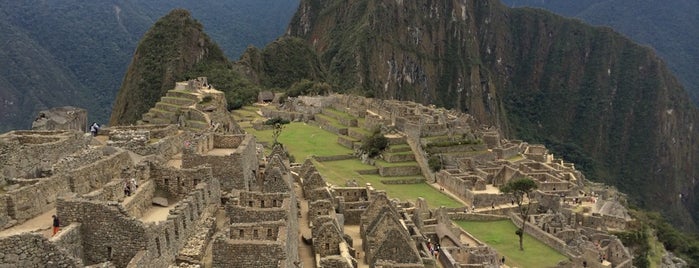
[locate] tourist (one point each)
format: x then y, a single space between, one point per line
127 189
134 183
56 224
94 129
503 260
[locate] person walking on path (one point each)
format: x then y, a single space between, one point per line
94 128
56 225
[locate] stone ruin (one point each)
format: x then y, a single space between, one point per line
208 197
61 118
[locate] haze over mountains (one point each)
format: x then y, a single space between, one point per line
75 52
669 26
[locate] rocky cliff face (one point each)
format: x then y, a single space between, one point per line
598 99
168 51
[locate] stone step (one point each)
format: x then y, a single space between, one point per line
341 117
156 121
167 107
196 124
399 148
183 94
399 157
178 101
170 116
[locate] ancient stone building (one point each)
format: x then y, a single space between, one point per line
61 118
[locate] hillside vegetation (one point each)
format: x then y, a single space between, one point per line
592 95
670 27
76 52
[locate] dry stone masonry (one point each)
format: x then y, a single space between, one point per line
186 187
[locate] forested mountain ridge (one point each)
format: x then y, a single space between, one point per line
669 26
76 52
601 101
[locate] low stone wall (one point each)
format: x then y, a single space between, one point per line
401 157
33 250
333 129
333 157
141 200
228 141
94 176
455 148
32 200
368 171
112 191
357 133
286 115
404 181
544 237
195 247
399 171
70 240
461 216
346 141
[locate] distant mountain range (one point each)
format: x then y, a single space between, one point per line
76 52
669 26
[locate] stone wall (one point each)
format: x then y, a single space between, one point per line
32 200
39 149
398 171
245 253
70 240
234 171
33 250
141 200
544 237
113 234
177 183
415 180
195 248
94 176
333 157
228 141
253 212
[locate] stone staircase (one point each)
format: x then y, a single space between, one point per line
174 104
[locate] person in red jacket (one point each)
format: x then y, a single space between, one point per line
56 225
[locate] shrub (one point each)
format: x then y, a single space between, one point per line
374 144
276 120
435 163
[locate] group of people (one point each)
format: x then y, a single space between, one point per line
130 186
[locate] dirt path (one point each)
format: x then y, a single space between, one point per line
40 223
157 213
353 231
305 251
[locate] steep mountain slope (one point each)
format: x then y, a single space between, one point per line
16 105
669 27
171 48
589 93
76 52
281 63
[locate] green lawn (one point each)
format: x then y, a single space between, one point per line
338 172
501 236
303 140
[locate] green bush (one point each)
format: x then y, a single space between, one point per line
435 163
276 120
373 145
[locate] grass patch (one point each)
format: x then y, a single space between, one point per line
338 113
332 121
501 236
303 140
383 163
338 172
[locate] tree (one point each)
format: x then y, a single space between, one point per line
373 145
276 132
518 188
